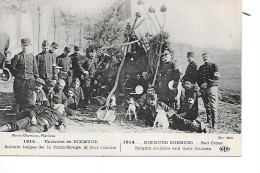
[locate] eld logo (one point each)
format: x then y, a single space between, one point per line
224 149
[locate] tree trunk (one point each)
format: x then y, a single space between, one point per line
39 27
54 24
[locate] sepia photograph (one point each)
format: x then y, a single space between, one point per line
136 67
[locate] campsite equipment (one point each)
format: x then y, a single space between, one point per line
107 113
140 2
163 10
5 74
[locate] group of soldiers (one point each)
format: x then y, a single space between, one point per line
48 66
178 95
77 75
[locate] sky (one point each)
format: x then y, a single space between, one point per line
200 23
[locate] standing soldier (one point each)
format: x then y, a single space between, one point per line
90 67
65 62
77 68
24 69
169 88
46 61
192 70
77 60
208 81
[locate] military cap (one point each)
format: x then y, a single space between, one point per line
55 45
67 49
190 54
150 86
56 99
188 79
50 83
76 48
40 81
45 43
25 41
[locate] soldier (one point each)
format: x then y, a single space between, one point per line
46 61
24 69
192 69
168 71
208 81
65 62
90 67
145 81
37 122
58 91
151 111
77 61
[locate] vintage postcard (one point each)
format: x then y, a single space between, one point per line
120 77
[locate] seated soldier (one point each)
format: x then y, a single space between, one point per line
58 91
141 101
150 113
38 94
107 86
40 122
97 98
71 107
78 92
186 117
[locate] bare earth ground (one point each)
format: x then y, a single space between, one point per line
229 119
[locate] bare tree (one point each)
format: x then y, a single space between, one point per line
68 21
39 27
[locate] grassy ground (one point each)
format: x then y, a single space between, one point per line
229 120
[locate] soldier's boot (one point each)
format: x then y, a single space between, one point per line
6 128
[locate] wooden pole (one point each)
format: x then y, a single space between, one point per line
160 53
120 67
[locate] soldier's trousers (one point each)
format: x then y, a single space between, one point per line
147 116
180 122
210 100
21 89
26 124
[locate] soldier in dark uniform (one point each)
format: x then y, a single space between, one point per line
90 67
37 122
24 69
77 61
192 69
208 81
168 71
46 61
65 62
145 81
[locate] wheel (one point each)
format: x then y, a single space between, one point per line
6 75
